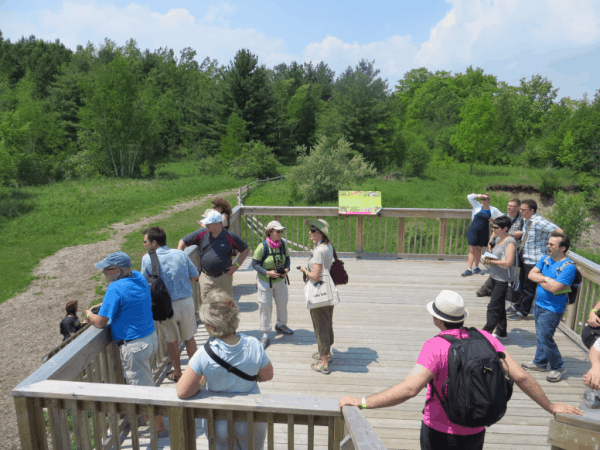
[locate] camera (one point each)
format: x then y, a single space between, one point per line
280 270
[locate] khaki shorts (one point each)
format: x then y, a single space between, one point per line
135 360
209 285
182 326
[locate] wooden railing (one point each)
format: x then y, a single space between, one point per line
245 190
576 315
395 232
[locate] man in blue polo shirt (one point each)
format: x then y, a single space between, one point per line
178 273
216 245
554 274
128 306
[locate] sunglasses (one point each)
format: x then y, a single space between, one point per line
313 230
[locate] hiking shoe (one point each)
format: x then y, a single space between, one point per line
318 367
500 338
265 342
511 310
477 270
533 366
555 375
283 329
517 316
466 273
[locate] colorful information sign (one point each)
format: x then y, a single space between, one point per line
359 202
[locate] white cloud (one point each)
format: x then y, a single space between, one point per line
510 38
76 22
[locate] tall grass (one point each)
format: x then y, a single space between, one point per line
35 222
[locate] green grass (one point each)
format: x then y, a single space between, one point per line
439 188
36 222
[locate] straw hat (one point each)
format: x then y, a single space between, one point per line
449 307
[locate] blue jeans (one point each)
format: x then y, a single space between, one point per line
547 352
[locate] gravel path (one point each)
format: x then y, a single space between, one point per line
29 321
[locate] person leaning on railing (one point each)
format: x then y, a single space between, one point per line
437 431
128 305
70 324
322 317
221 205
221 319
272 281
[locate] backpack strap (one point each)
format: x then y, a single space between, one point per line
565 264
265 252
226 365
232 243
155 264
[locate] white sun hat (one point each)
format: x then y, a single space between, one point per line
449 307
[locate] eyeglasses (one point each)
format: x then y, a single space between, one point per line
145 242
485 199
278 231
511 206
524 209
313 230
110 268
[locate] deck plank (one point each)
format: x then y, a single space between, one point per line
379 329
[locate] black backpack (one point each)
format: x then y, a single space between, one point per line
477 390
267 251
162 308
571 296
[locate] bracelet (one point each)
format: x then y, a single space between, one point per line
87 314
238 264
595 310
364 403
546 279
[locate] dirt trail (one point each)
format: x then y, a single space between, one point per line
29 321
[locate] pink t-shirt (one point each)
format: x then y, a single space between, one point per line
434 356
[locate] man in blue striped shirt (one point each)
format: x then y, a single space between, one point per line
536 234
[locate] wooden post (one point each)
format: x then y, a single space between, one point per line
400 243
31 435
442 237
359 236
338 432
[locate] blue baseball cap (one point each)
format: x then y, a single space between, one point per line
120 259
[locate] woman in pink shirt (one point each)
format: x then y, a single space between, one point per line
437 431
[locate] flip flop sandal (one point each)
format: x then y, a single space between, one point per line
317 367
317 356
171 376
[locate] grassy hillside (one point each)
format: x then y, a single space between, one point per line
35 222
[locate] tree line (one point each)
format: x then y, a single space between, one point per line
119 111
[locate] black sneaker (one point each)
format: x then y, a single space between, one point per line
517 316
511 310
283 329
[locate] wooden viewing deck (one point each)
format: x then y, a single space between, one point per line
379 330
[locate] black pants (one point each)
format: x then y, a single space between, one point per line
487 287
436 440
496 310
528 288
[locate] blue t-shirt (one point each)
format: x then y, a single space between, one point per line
128 305
247 355
546 299
176 269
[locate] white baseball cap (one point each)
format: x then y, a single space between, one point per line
212 217
274 225
449 307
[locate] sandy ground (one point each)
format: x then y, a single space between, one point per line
63 276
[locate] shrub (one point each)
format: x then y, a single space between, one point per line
211 166
570 213
256 161
416 156
550 183
329 167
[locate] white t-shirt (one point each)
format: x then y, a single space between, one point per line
321 255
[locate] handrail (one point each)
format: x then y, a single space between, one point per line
246 189
64 343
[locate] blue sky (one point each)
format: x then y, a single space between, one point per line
511 39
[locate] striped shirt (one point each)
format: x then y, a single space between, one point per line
537 240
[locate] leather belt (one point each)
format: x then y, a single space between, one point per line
123 341
214 275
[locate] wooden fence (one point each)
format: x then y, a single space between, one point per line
395 232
